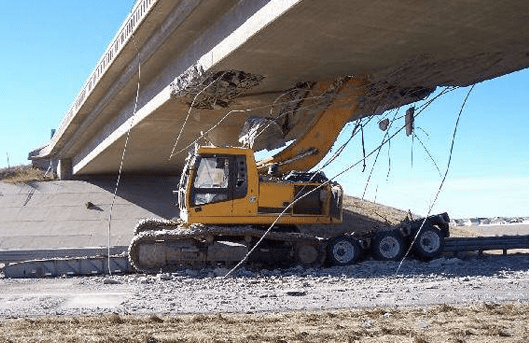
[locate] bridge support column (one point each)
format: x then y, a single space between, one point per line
65 169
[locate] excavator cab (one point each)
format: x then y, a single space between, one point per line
211 180
223 186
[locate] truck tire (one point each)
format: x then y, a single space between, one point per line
388 246
429 243
343 250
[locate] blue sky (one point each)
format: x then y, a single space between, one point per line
489 171
50 48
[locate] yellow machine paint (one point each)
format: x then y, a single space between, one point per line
222 186
227 201
265 197
308 150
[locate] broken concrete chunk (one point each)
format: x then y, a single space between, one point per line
261 133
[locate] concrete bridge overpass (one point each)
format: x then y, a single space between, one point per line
191 63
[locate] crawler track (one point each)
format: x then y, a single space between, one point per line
168 245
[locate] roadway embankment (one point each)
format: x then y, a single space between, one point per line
79 214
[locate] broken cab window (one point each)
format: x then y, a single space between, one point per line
211 182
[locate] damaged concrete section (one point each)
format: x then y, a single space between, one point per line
212 90
261 133
294 111
285 116
296 108
288 104
383 96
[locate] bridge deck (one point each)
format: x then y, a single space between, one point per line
404 47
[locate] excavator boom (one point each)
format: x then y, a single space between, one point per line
343 98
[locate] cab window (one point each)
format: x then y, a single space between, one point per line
212 180
219 178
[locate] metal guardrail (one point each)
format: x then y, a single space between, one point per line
136 16
457 244
10 256
69 262
69 267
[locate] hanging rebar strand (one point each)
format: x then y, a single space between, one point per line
387 127
118 179
189 114
429 154
389 148
442 181
363 148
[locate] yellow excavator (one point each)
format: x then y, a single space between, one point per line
228 200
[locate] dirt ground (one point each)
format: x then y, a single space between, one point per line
442 323
478 299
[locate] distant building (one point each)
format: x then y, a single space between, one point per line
484 221
472 221
499 221
457 222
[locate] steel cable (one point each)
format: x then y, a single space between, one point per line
442 181
120 171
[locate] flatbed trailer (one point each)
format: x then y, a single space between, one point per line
99 265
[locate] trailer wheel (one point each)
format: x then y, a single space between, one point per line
343 250
430 243
388 246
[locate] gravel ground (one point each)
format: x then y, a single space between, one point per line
490 279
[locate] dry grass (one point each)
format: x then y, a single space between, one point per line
23 174
374 211
387 215
444 323
462 231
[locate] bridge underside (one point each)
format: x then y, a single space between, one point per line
210 61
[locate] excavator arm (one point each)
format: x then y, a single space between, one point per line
343 103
